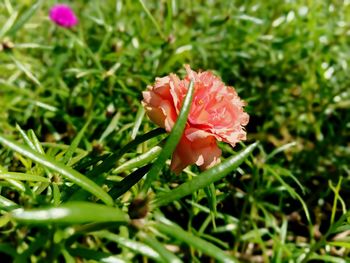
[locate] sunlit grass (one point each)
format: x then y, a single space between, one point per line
76 144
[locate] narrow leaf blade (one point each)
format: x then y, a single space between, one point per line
206 178
25 17
70 213
200 244
128 243
172 141
58 167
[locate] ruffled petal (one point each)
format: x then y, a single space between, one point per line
159 105
195 147
216 114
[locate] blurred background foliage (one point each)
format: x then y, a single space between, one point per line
289 60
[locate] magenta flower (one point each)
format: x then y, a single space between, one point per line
63 15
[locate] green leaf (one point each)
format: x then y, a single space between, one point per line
154 21
89 160
254 235
210 192
23 177
205 178
124 185
327 258
128 243
280 149
290 190
345 244
8 249
58 167
36 142
25 70
172 141
67 257
341 228
165 254
336 198
110 161
9 23
74 145
138 120
56 194
25 17
170 229
25 137
140 160
7 204
91 254
17 185
70 213
112 126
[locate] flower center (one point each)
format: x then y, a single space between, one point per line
200 102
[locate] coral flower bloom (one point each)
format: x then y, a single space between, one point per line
63 15
216 114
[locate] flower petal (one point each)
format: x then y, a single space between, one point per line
158 104
63 15
216 114
195 147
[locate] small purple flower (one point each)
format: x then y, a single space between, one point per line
63 15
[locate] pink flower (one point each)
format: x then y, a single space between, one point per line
63 15
216 114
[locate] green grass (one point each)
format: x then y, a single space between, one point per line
75 143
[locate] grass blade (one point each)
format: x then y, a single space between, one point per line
165 254
110 161
36 142
206 178
327 258
124 185
56 194
70 213
151 17
25 17
7 204
344 244
58 167
336 197
19 186
210 192
291 191
138 120
139 160
25 137
92 254
170 229
70 151
130 244
112 126
172 140
23 177
25 70
90 159
9 23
